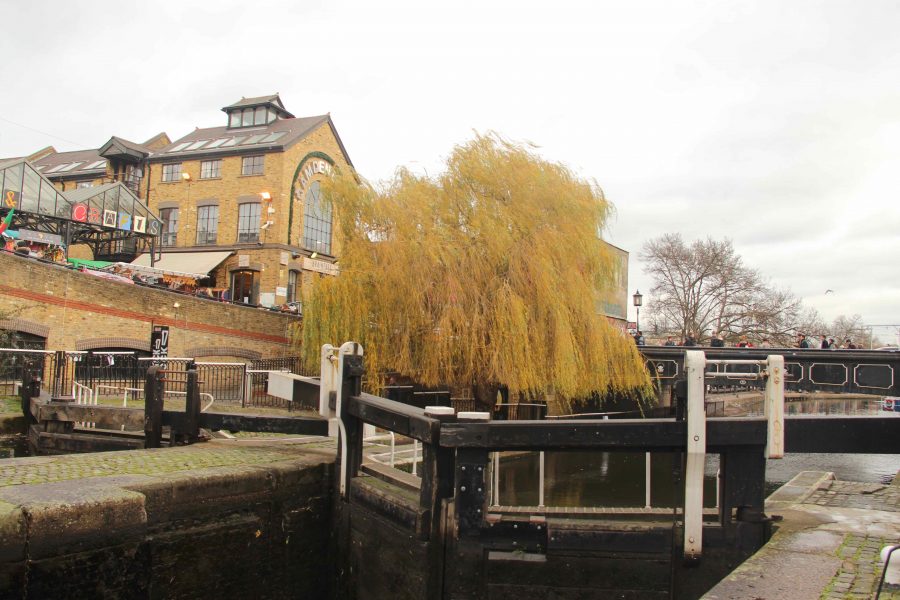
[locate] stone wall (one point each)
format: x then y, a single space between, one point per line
81 311
218 520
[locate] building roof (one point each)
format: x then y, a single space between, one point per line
223 141
71 164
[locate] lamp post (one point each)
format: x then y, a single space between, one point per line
638 302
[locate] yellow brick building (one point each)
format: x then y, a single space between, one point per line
241 203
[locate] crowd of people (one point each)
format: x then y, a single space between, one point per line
720 340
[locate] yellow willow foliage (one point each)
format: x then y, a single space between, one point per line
486 274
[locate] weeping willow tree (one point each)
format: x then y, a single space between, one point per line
486 275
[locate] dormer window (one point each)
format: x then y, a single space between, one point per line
250 112
249 117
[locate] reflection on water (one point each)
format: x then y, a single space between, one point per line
618 478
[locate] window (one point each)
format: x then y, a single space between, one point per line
71 166
210 169
292 286
253 139
248 222
196 145
180 147
216 143
233 141
248 117
274 136
316 221
244 287
207 225
169 234
84 184
97 164
171 172
252 165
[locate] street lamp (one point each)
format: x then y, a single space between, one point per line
638 301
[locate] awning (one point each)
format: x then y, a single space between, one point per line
194 264
90 264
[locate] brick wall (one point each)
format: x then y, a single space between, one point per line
79 309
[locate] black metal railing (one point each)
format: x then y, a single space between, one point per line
122 374
873 372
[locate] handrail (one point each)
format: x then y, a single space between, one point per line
398 417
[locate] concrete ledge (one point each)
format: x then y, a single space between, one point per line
804 556
215 520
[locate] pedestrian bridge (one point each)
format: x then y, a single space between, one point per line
872 372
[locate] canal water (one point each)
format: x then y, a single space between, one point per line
619 478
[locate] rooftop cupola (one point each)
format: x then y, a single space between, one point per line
250 112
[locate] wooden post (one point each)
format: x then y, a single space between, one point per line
351 372
437 488
153 407
31 388
188 431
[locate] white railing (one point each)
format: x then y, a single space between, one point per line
396 455
85 396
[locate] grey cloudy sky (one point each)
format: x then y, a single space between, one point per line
774 123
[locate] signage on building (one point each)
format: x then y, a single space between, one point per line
315 165
11 198
85 214
285 257
159 341
109 218
40 237
319 266
243 260
281 291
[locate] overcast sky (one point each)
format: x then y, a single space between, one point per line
773 123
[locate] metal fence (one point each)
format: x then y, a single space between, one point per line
121 374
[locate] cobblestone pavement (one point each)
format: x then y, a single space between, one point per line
860 570
139 462
849 494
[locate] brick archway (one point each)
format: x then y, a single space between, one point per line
113 342
223 351
25 326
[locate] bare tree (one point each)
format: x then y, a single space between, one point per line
704 287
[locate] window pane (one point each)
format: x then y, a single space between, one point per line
292 286
171 172
30 191
247 117
235 119
12 186
207 224
248 222
169 218
252 165
210 169
48 199
316 221
260 117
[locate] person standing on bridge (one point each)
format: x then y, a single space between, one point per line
825 345
718 340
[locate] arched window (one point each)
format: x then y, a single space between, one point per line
316 221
